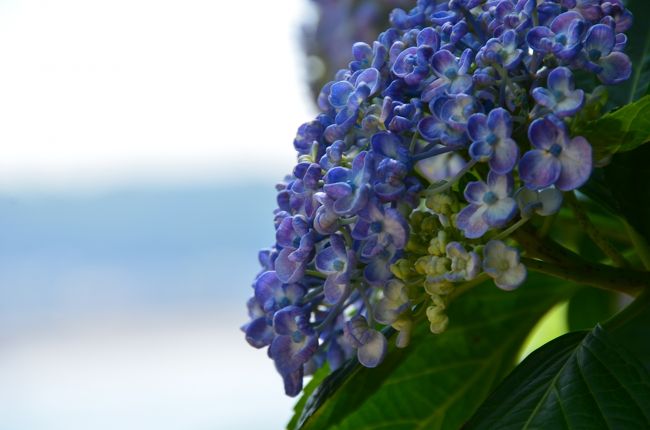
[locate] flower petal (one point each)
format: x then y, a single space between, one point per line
576 164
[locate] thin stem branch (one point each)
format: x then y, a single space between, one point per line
640 245
507 232
593 233
450 183
596 275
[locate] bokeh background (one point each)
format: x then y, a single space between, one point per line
140 144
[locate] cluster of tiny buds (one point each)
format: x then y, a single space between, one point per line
436 143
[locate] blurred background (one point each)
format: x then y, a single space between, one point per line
141 141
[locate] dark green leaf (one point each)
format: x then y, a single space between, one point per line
622 130
438 380
638 49
590 306
628 178
586 380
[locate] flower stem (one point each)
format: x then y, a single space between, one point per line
434 152
640 245
596 275
315 274
591 230
546 256
507 232
450 183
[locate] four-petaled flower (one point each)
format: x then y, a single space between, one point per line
490 205
556 159
337 263
501 262
492 141
371 345
379 227
561 97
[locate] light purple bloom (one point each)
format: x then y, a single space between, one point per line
555 159
490 205
379 227
465 266
295 344
337 263
350 188
492 141
326 221
297 241
377 270
273 295
561 97
502 264
371 345
259 330
542 202
393 303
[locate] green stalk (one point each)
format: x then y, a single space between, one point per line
640 245
626 281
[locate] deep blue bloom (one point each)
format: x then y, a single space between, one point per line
413 63
448 122
611 67
452 74
326 221
399 117
563 38
503 51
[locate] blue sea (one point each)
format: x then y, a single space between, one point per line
121 309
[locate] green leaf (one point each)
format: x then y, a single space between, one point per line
581 380
628 178
590 306
638 49
622 130
438 380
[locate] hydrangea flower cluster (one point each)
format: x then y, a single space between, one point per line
438 141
